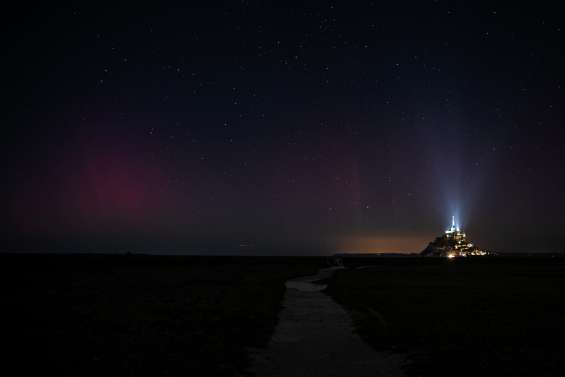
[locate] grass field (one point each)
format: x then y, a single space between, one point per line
140 315
475 317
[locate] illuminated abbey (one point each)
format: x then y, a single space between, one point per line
453 243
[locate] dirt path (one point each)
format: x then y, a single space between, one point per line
314 337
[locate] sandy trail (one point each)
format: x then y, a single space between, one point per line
314 337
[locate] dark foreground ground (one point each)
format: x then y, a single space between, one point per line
476 317
195 316
139 315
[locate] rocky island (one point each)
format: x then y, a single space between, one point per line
453 243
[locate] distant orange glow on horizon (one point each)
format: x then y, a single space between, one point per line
382 244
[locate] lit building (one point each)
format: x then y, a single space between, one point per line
453 243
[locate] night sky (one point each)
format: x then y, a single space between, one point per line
263 129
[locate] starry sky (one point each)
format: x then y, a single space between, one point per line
265 128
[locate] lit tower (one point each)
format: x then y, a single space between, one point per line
453 228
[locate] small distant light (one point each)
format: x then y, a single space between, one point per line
450 256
